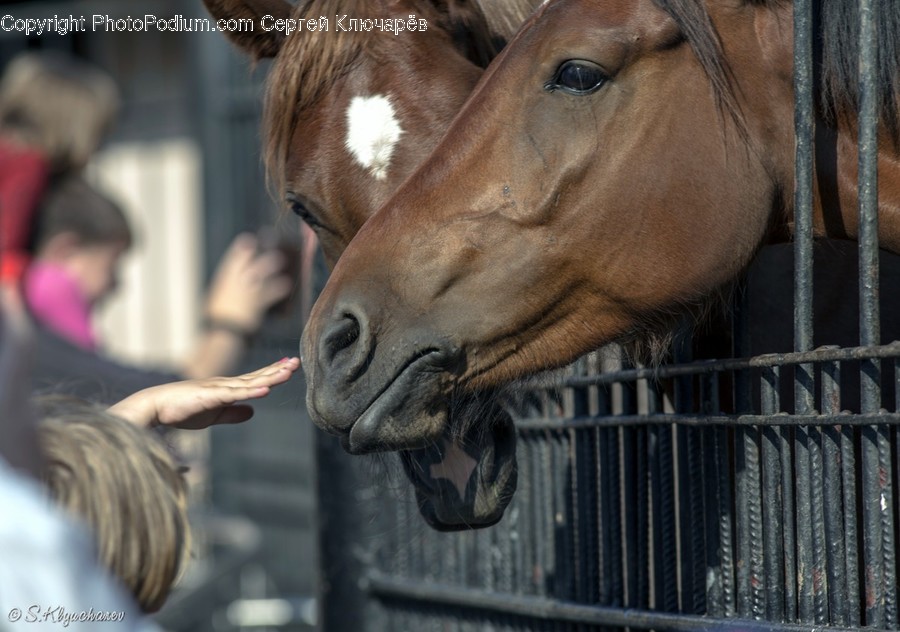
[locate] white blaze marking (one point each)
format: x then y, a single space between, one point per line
372 133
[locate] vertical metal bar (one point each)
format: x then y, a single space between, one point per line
705 558
881 590
725 511
529 505
635 506
685 517
772 507
656 546
819 577
886 505
689 479
586 517
612 514
869 322
803 196
567 561
715 600
663 527
665 562
741 331
749 438
803 317
748 577
641 537
851 529
553 472
583 493
788 521
836 568
897 384
697 586
544 524
873 551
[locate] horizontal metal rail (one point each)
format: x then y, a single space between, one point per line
825 354
384 586
779 419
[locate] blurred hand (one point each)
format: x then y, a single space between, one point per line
246 284
198 404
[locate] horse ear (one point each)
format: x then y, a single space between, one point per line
467 25
256 42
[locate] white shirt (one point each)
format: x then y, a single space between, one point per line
49 576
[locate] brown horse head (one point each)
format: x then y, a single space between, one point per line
620 161
349 115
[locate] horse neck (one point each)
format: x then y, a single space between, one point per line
837 186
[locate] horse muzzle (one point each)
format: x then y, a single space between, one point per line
377 397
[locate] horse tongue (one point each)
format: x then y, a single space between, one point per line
456 466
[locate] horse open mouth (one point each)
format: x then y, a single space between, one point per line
466 482
457 449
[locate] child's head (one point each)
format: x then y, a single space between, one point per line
59 104
122 481
84 232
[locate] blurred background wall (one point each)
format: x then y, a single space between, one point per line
184 162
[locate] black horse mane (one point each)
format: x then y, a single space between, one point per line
838 48
836 52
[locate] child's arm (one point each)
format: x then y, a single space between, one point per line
197 404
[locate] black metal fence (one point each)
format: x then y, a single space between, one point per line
753 493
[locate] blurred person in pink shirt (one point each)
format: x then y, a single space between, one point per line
80 238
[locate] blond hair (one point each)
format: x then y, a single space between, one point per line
59 104
123 482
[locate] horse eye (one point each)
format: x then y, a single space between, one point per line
579 77
299 209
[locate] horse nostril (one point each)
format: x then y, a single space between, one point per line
347 344
343 335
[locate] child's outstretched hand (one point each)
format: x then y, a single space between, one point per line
198 404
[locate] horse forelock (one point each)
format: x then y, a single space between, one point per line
307 65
